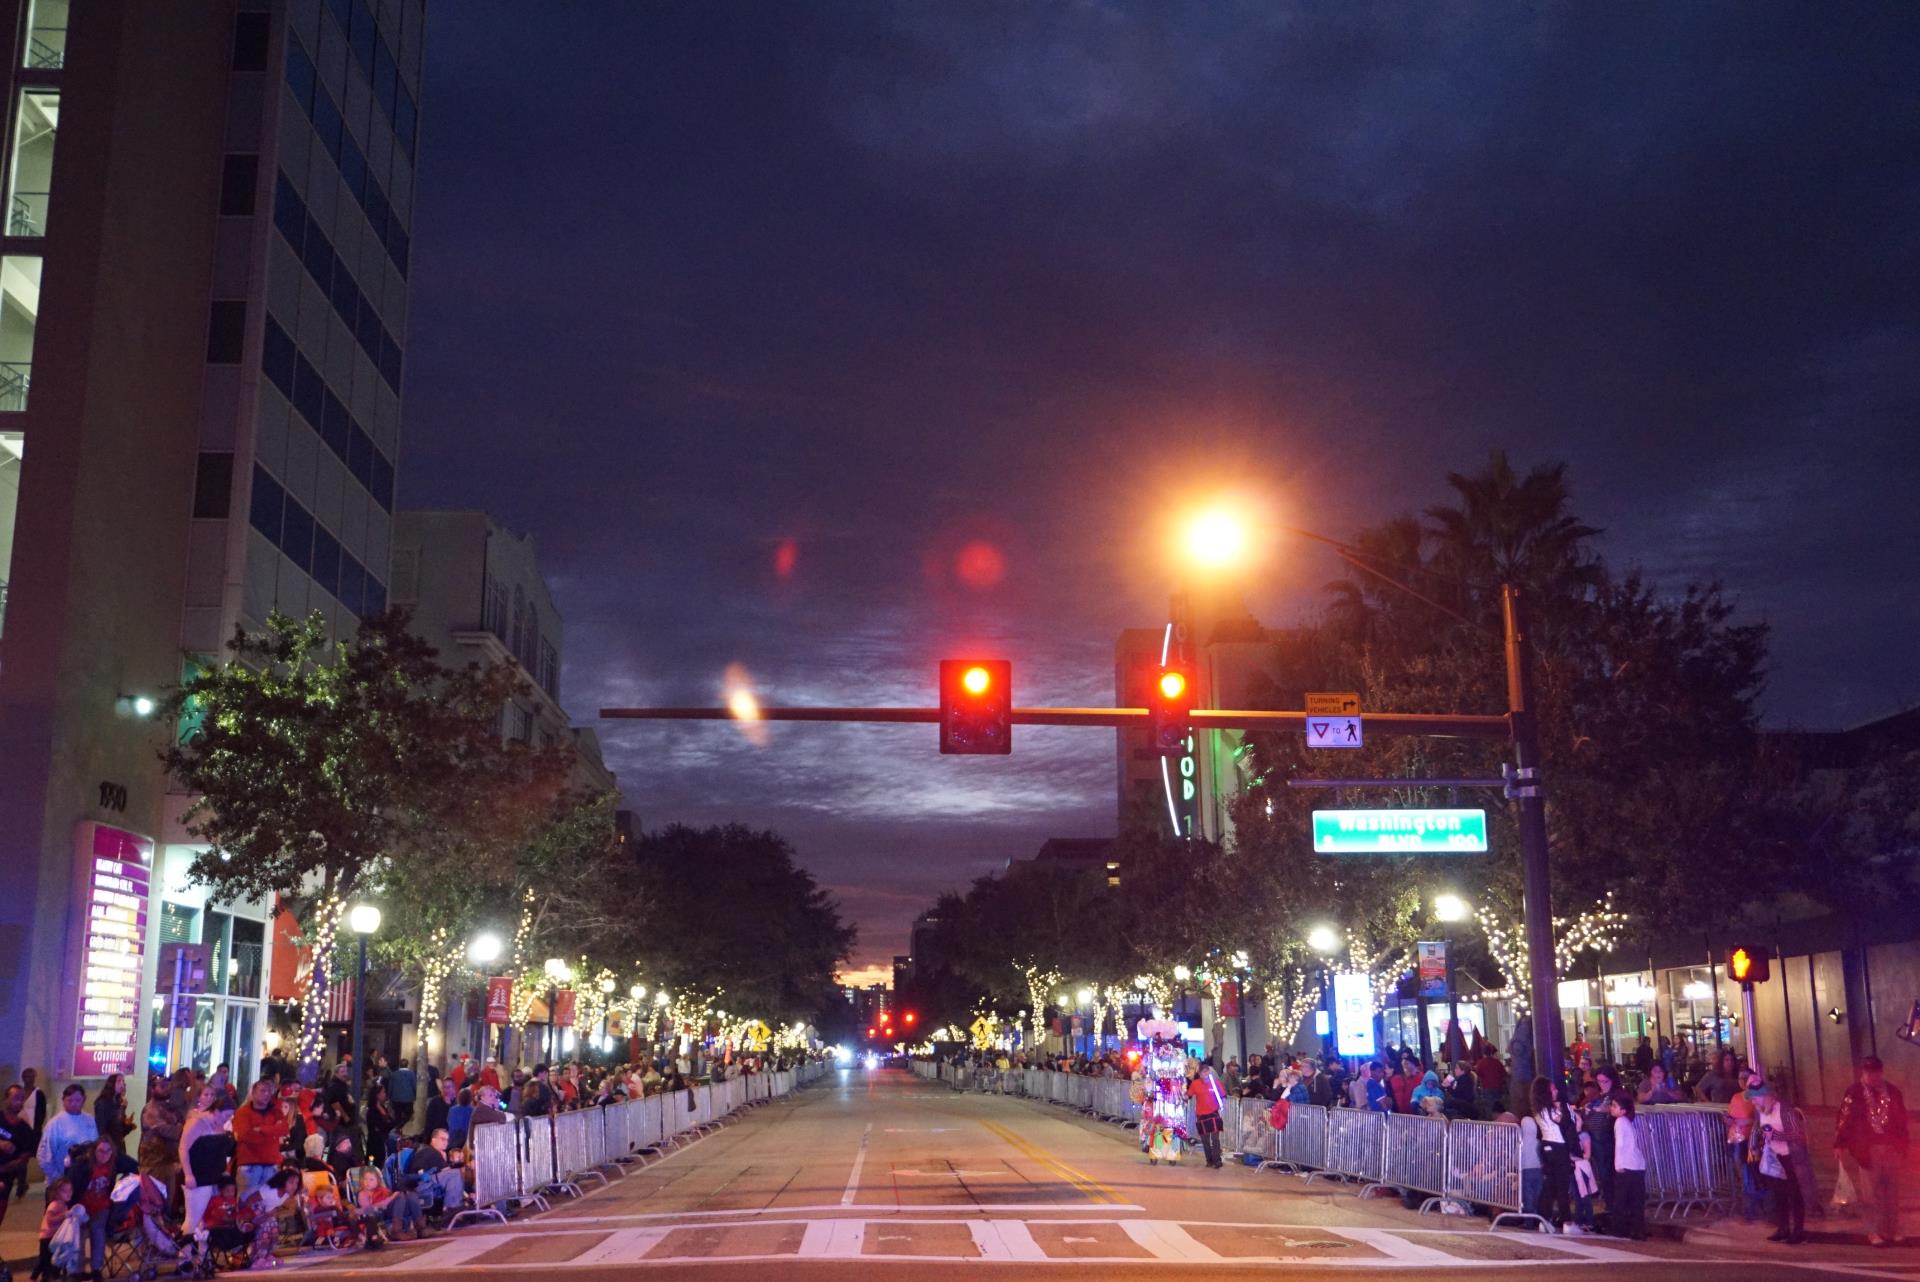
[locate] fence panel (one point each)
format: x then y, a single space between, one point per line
614 1125
1416 1153
535 1140
1303 1144
676 1112
650 1131
571 1137
1483 1164
496 1164
1356 1143
1690 1165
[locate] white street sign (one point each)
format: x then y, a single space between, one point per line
1333 732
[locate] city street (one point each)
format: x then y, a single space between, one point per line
870 1170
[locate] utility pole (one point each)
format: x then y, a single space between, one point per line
1529 792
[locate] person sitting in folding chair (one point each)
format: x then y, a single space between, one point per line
438 1177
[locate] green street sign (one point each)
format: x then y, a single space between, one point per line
1399 832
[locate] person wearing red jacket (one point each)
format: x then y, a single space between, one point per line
259 1129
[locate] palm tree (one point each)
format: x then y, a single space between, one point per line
1507 528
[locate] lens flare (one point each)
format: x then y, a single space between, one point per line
737 685
980 565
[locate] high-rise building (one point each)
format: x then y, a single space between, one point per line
475 593
203 303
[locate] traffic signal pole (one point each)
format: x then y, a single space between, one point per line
1542 978
1425 725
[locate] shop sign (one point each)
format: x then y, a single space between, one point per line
1399 832
115 873
500 999
1433 968
563 1007
1353 1013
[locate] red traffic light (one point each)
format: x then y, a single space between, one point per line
1169 714
909 1017
1748 964
869 1032
976 706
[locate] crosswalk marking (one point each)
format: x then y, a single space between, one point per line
622 1245
1004 1240
1168 1241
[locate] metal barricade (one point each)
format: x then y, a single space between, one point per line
1301 1145
1414 1159
649 1133
1483 1165
496 1173
575 1156
536 1138
677 1109
1356 1143
1690 1166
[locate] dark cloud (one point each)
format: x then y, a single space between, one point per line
695 280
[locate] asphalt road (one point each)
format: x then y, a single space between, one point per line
867 1172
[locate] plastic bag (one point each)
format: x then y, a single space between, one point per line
68 1245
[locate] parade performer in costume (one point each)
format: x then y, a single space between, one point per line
1163 1117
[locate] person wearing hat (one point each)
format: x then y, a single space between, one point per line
1872 1129
1770 1144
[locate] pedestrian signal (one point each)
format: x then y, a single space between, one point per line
976 706
1748 964
1169 711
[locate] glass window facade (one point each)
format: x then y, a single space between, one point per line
19 316
36 125
46 48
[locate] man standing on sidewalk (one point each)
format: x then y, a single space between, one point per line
1873 1129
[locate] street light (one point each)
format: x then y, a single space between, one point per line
1217 539
558 973
1325 941
485 948
637 991
1448 909
363 920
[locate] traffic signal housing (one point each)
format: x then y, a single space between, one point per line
1170 710
1749 964
976 706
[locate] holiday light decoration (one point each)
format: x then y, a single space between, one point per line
1039 984
327 918
1596 930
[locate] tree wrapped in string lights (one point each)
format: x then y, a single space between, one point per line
1596 930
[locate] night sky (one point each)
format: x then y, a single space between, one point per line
826 339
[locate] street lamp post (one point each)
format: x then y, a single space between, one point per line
1450 909
1084 999
483 951
1325 942
364 919
557 974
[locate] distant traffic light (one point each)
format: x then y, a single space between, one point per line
976 706
1169 711
909 1017
1749 964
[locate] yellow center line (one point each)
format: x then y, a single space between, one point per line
1094 1189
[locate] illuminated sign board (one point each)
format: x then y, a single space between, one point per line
1353 1013
1399 832
115 880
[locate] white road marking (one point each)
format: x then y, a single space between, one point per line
1394 1247
859 1160
1168 1241
621 1246
448 1254
1004 1240
1578 1246
874 1211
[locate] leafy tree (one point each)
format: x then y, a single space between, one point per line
731 917
312 766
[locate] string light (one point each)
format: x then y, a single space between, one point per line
1596 930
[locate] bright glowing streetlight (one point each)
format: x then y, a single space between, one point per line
1323 940
1449 908
1217 539
364 919
1085 995
485 948
606 984
637 991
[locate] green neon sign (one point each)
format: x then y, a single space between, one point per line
1399 832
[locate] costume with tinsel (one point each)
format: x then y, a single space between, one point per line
1163 1116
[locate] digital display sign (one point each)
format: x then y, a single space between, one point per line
116 878
1353 1013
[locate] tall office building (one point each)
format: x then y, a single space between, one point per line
203 303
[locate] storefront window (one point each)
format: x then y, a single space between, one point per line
249 950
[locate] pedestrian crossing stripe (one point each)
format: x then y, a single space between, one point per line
990 1239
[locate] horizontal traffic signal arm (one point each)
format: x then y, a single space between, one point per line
1430 725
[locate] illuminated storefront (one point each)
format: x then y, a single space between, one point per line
227 1022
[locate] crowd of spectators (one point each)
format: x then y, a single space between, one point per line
206 1178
